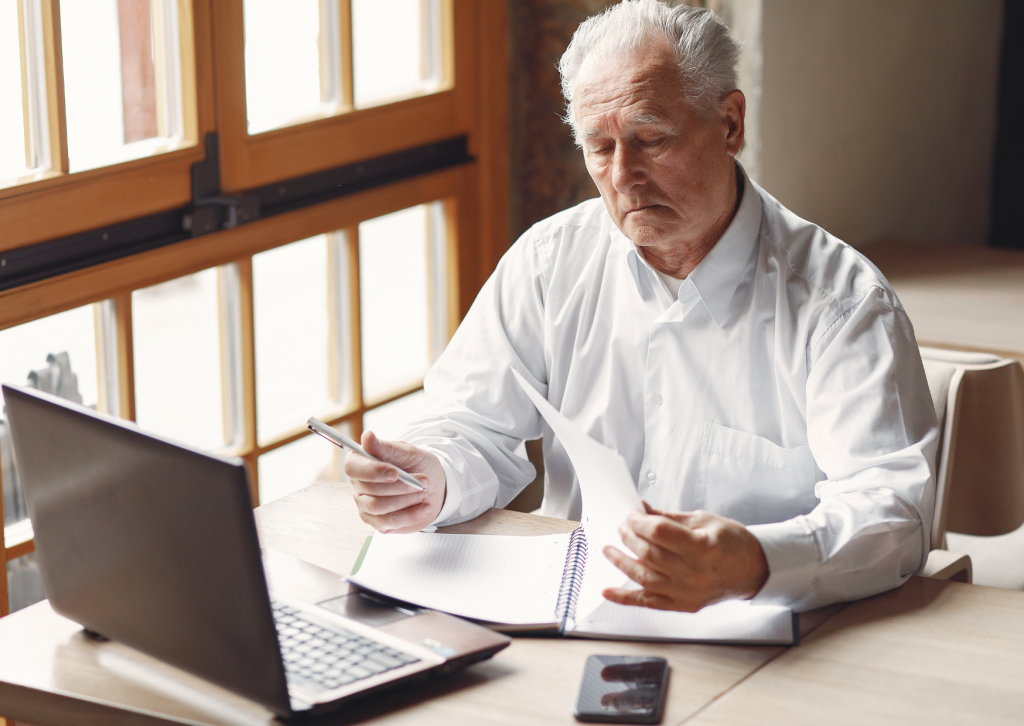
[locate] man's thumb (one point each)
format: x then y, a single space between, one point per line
373 445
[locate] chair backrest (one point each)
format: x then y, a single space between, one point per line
979 401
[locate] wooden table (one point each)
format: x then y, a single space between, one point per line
51 674
931 652
907 643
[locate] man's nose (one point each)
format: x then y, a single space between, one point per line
628 170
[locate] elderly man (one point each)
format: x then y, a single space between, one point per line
758 375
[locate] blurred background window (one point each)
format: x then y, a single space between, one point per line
56 354
122 80
176 337
307 59
284 65
396 49
229 343
15 159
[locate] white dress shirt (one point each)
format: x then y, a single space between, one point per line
783 388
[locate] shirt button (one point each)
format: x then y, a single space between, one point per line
658 399
652 477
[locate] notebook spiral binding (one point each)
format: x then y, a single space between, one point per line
572 576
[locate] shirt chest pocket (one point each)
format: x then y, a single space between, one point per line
750 479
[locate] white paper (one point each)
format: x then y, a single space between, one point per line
502 579
735 621
608 492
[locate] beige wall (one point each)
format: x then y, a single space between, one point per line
877 117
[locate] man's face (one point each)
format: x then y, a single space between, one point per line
664 170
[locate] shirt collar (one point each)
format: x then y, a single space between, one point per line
721 271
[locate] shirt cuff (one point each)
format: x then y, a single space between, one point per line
453 495
793 560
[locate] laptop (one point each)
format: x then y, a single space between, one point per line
153 544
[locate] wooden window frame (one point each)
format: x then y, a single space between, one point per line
474 194
141 186
457 187
347 136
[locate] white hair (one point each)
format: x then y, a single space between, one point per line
705 53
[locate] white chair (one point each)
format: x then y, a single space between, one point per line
979 401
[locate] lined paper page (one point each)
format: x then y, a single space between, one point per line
733 621
500 579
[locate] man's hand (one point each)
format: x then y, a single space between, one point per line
384 502
686 560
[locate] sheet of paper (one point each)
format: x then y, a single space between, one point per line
609 494
512 580
733 621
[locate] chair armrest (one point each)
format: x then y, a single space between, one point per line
946 565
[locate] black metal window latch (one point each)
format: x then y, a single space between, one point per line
211 210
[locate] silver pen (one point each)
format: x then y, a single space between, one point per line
339 439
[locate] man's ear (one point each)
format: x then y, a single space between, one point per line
734 109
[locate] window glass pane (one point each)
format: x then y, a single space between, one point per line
282 62
59 352
24 583
297 465
388 422
291 309
395 49
12 111
121 80
394 313
25 348
175 328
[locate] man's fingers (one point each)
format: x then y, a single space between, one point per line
666 532
376 446
401 521
638 598
652 555
385 505
358 467
398 453
638 573
693 520
380 488
388 488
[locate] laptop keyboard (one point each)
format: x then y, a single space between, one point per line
330 657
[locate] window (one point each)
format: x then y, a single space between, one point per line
57 354
108 99
360 78
219 323
177 360
122 81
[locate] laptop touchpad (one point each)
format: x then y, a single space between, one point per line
370 609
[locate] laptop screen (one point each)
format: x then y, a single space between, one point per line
148 542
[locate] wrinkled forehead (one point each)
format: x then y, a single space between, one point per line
643 83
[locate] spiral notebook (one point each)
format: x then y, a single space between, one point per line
553 583
534 584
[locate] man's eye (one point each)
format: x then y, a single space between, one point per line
652 142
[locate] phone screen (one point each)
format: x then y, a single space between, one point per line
622 689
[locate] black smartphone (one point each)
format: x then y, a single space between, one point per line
622 689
